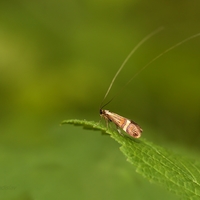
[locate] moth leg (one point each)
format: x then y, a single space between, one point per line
119 131
107 126
106 121
100 121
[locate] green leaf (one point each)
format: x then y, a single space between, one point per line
178 174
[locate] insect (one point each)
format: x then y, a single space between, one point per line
129 126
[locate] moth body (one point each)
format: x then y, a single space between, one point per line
129 126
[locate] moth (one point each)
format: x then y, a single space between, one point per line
129 126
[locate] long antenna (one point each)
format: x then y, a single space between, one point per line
164 52
127 58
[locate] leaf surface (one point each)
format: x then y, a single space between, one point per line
178 174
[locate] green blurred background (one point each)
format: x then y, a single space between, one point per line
57 59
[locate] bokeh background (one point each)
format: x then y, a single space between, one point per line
57 59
